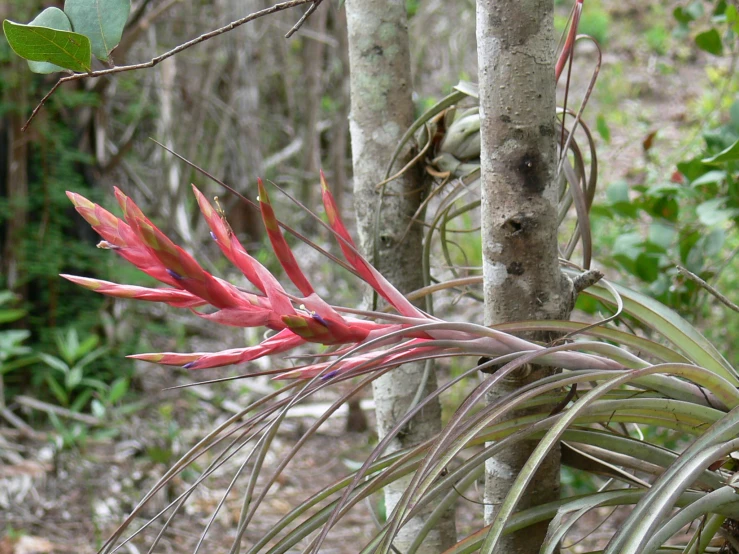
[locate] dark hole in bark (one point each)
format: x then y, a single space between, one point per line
532 170
515 268
376 50
513 226
546 130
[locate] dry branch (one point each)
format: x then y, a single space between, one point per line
202 38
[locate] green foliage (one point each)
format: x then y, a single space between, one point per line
51 242
13 353
59 40
717 32
70 379
595 22
657 38
411 7
685 220
54 47
102 21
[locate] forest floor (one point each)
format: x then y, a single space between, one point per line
70 498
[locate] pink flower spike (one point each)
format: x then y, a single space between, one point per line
168 358
279 244
254 316
227 241
120 235
178 264
174 297
281 342
373 277
569 41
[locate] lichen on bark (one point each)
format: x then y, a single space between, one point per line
381 110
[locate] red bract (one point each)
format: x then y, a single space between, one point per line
296 320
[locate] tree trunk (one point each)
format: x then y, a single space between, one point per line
313 74
522 279
381 110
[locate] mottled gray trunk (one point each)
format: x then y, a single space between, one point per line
381 110
522 279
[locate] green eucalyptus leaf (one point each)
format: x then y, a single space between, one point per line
662 235
102 21
710 41
730 154
53 18
712 212
54 48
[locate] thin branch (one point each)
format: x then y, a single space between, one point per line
303 19
154 61
57 410
701 283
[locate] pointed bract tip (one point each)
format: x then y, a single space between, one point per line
82 281
79 201
151 357
263 196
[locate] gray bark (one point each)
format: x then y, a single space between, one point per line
381 110
522 279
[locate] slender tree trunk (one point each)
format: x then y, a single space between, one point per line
340 131
313 72
381 110
522 279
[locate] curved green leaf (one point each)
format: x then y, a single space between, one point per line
671 326
729 154
102 21
724 497
56 47
54 18
643 520
710 41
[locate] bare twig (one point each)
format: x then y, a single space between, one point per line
302 20
700 282
58 410
17 422
154 61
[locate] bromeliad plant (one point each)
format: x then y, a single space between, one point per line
295 320
677 382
